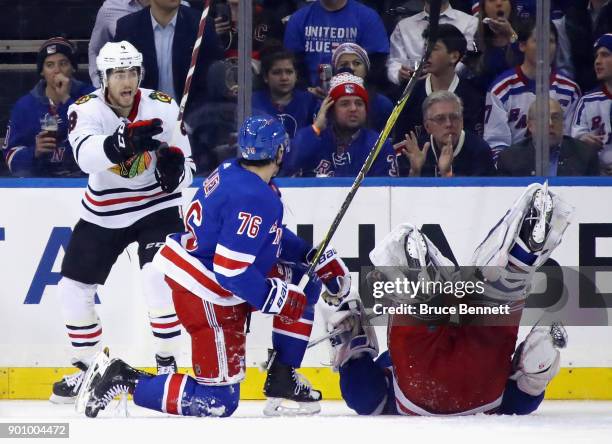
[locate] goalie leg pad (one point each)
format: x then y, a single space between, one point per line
537 360
506 262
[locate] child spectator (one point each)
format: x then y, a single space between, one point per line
295 108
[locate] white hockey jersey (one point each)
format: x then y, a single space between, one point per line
509 99
593 116
119 195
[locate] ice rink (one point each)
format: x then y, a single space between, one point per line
555 422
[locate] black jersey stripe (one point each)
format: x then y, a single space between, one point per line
132 209
122 190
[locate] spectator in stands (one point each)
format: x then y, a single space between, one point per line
526 9
592 119
448 50
36 141
407 42
584 22
513 91
337 143
104 29
296 108
567 156
267 29
495 42
350 57
165 34
450 150
314 31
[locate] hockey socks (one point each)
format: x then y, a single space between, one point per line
180 394
291 339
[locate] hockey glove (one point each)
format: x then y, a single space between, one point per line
131 139
334 274
285 300
170 167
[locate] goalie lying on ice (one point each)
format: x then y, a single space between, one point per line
435 368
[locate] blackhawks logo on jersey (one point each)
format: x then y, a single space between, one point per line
84 99
133 166
158 95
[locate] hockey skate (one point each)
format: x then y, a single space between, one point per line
105 379
165 365
65 391
288 392
536 223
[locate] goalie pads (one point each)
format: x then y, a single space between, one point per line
537 360
355 334
170 168
506 275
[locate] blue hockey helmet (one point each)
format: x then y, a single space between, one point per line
260 138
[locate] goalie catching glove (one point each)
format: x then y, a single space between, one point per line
334 274
131 139
285 300
170 168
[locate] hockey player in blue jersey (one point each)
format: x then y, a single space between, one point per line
218 271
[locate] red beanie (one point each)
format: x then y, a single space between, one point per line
347 84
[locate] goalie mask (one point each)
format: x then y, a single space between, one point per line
114 55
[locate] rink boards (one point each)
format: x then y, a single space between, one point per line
38 216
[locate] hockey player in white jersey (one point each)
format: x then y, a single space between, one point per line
119 135
592 119
512 93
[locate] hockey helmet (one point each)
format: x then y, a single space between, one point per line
261 137
118 55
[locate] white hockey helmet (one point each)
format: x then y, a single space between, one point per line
118 55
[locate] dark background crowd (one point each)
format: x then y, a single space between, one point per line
331 71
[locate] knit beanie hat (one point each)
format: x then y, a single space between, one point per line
347 84
56 45
350 48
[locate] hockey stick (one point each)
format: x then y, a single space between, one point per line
434 17
194 57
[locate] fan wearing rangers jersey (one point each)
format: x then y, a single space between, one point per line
118 135
437 368
592 121
512 93
223 266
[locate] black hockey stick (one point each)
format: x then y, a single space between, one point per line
434 17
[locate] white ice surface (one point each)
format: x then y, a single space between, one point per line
555 422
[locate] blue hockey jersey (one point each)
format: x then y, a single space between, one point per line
234 236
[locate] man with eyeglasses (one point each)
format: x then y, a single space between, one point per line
448 150
568 156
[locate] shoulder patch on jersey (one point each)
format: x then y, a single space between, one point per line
84 99
162 97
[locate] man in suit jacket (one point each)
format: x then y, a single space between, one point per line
568 156
165 34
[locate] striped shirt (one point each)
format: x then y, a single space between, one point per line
509 99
